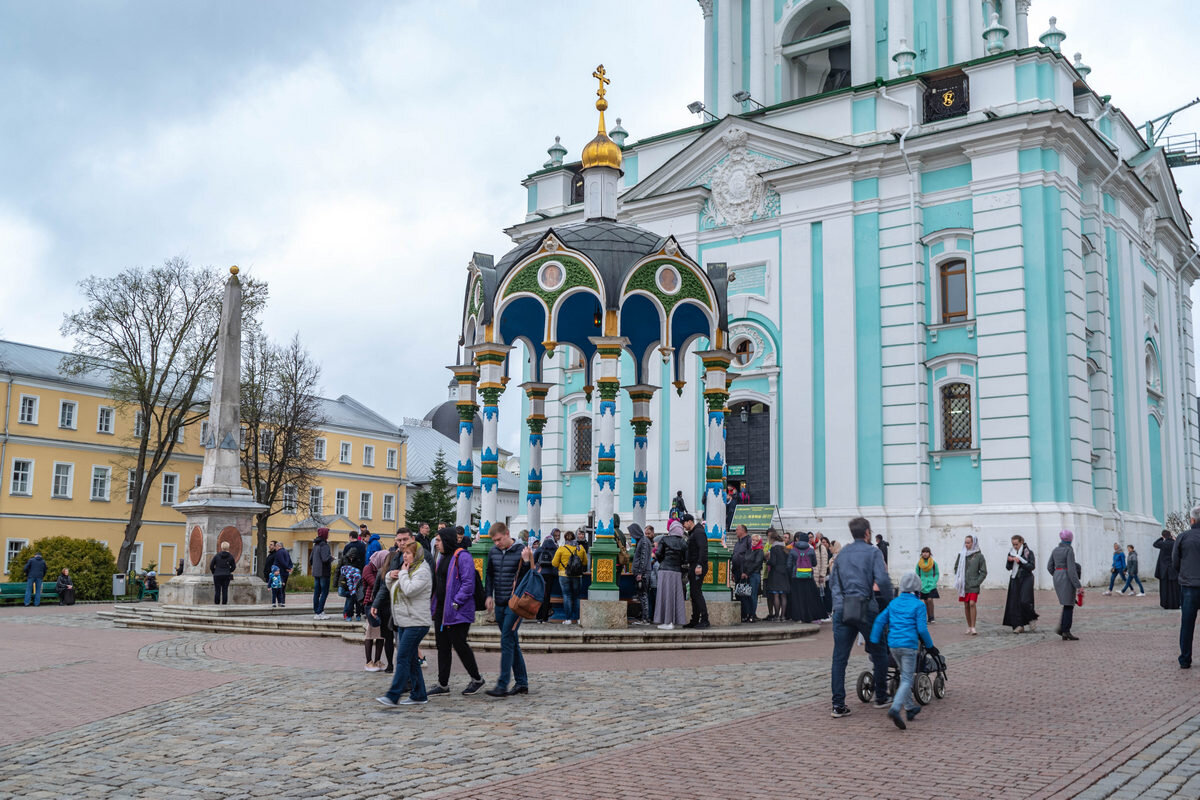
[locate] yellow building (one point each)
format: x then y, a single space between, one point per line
67 451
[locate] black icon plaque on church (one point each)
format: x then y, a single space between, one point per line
947 97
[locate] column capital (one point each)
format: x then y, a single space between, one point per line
535 390
609 346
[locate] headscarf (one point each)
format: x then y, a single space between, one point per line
675 528
322 533
418 560
1066 536
635 532
377 558
960 568
450 541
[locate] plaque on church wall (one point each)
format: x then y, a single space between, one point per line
947 97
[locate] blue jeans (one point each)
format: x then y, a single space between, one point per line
1189 603
906 657
843 641
570 592
408 666
511 659
320 593
33 587
1113 578
1133 577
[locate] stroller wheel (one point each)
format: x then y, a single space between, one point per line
866 687
939 687
923 689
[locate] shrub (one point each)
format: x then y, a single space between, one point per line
91 564
300 583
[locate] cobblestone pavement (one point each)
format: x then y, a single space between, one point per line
97 711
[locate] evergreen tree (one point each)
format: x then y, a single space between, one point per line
434 505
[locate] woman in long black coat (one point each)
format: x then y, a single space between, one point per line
1168 578
1019 612
779 582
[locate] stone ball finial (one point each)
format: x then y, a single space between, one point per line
233 270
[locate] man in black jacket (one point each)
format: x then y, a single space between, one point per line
222 568
697 555
545 559
354 554
503 571
1185 558
283 559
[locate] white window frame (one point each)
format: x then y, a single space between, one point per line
266 440
319 492
368 455
393 458
135 557
341 503
951 252
54 492
107 472
37 404
205 426
320 448
196 480
10 553
163 492
291 499
366 501
571 437
12 478
388 513
345 453
130 475
953 362
139 424
74 421
112 420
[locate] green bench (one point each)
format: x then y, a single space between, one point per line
16 592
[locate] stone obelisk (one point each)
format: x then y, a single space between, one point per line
220 509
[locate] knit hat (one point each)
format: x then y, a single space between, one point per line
910 582
322 533
1066 535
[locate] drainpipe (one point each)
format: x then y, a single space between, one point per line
1112 412
918 462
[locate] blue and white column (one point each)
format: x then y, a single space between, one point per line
467 376
536 392
640 396
716 393
490 358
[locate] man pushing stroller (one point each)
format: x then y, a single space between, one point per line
907 624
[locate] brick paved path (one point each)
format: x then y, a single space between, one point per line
94 711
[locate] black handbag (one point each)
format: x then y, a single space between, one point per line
855 609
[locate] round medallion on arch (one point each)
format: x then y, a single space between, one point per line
551 276
234 537
667 279
195 545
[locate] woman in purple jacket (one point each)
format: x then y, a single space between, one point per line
453 604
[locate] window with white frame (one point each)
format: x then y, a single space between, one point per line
135 557
29 410
204 430
266 440
364 505
139 424
344 453
11 548
130 485
316 501
290 498
197 479
242 438
60 487
105 417
170 488
67 409
955 415
391 458
319 449
340 499
581 443
951 276
389 508
101 478
179 434
22 477
368 455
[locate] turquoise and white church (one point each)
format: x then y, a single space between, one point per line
910 266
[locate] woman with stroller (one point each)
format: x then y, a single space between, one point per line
1018 607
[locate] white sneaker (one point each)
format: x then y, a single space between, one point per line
1141 594
1108 592
408 701
670 626
316 616
385 700
372 667
566 622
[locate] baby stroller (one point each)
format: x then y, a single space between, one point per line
925 688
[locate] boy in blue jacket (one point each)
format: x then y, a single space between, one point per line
906 621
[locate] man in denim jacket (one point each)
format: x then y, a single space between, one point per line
857 570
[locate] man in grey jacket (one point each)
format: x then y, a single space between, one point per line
643 554
1185 558
858 569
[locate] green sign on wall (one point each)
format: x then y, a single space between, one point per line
755 518
737 470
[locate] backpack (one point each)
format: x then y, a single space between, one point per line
575 567
350 580
546 557
480 592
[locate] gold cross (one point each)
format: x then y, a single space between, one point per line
599 75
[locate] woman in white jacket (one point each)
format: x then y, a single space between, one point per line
410 588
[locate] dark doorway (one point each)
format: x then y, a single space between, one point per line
748 449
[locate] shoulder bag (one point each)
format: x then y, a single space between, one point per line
854 608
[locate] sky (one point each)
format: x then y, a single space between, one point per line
354 155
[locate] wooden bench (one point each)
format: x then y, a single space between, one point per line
16 592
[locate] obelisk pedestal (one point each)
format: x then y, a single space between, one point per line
220 509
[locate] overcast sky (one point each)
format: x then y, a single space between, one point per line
353 155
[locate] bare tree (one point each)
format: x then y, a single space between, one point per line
282 414
154 332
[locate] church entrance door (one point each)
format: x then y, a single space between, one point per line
748 449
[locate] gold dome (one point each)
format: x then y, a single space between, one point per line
601 151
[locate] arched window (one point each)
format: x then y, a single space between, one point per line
816 51
1153 378
953 285
581 444
956 416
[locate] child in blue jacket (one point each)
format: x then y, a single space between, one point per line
906 621
276 584
1118 566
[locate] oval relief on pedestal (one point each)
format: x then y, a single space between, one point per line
195 545
234 537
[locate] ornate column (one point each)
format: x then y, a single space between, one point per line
490 358
1022 7
467 375
706 9
536 392
608 384
716 393
640 395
